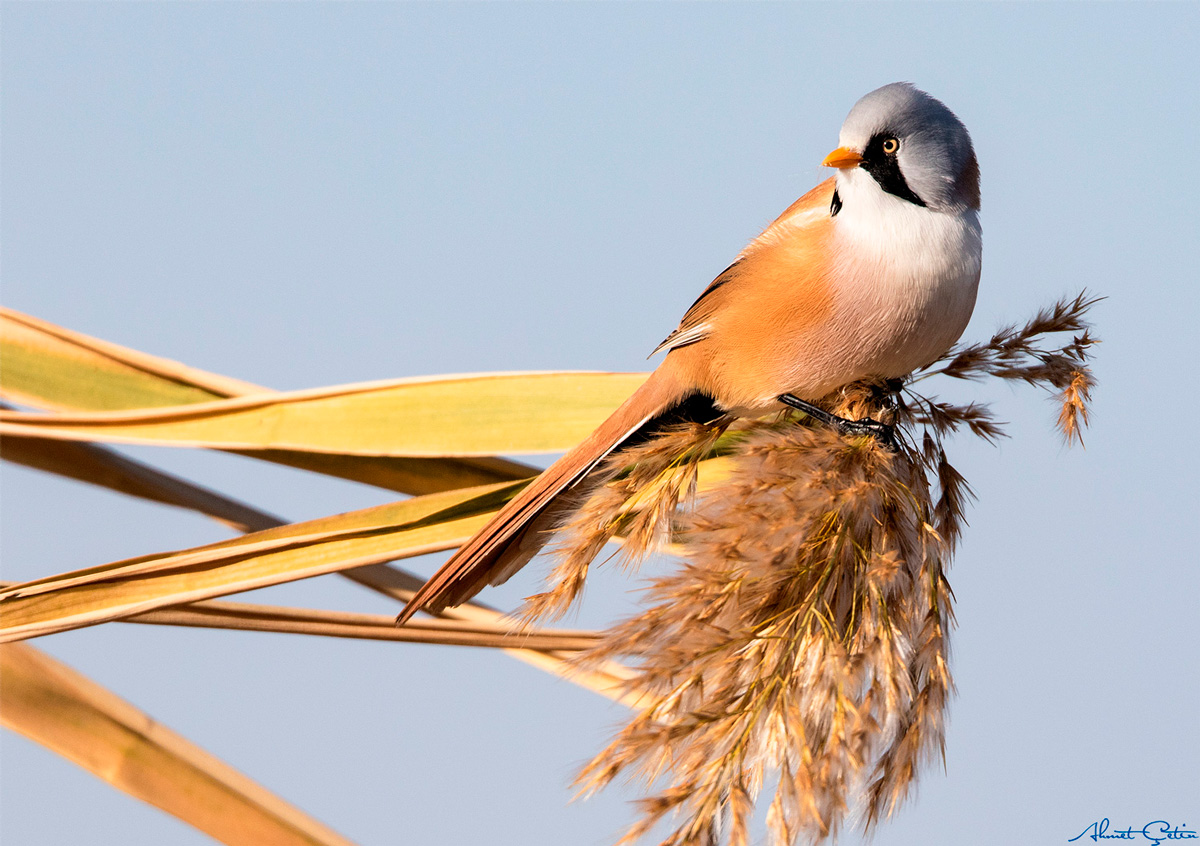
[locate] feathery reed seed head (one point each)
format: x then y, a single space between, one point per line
803 641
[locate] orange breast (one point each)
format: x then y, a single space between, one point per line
817 302
770 322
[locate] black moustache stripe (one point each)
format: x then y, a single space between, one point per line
885 169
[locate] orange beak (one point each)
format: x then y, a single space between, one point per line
842 158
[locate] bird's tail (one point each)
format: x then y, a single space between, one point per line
523 526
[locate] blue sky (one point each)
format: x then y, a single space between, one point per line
309 194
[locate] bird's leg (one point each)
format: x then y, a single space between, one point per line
881 432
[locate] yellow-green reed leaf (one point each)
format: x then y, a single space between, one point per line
473 415
300 550
48 366
59 708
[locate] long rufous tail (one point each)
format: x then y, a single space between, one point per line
523 525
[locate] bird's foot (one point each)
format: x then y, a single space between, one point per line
882 432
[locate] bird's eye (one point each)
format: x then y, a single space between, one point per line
890 146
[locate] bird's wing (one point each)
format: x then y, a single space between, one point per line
695 326
523 525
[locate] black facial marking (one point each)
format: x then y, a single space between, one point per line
836 205
885 169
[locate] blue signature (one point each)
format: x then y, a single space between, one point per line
1156 832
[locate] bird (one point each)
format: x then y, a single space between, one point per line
870 275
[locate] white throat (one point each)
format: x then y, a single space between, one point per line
918 265
884 225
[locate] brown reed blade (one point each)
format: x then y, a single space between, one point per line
324 623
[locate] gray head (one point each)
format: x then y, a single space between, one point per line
913 146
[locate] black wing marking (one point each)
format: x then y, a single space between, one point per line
693 327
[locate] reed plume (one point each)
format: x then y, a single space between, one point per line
802 645
640 491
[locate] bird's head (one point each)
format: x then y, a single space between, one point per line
913 148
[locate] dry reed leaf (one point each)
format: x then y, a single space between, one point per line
416 476
101 466
488 631
306 621
432 523
608 678
397 530
62 710
343 543
47 366
412 418
803 642
127 476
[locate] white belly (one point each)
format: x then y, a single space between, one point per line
907 279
